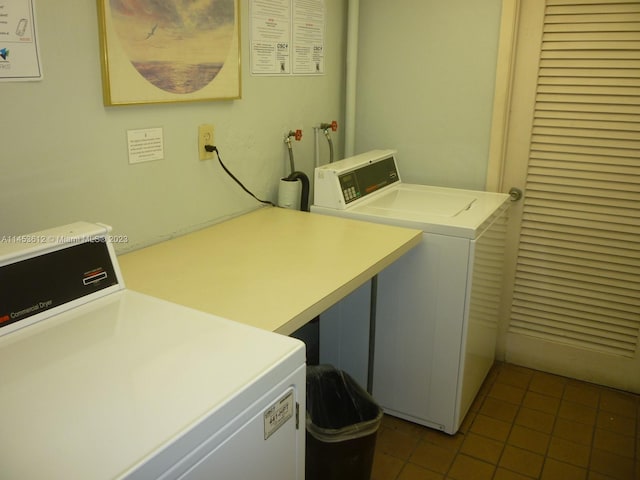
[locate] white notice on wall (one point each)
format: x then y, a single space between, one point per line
145 145
19 57
308 37
271 37
287 37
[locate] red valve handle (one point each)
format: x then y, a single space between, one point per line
334 126
298 135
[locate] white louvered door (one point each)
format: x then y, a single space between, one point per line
574 137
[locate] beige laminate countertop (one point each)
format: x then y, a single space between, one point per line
272 268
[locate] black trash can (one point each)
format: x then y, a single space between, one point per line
342 425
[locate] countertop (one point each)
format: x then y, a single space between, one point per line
272 268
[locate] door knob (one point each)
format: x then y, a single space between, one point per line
515 194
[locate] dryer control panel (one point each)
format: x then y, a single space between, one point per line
53 270
344 182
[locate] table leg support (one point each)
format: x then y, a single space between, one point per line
372 332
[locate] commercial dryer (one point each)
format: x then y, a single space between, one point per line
101 382
436 307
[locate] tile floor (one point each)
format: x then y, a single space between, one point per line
523 425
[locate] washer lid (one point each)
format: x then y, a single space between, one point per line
442 210
427 202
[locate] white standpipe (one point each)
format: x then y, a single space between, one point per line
351 71
289 194
316 147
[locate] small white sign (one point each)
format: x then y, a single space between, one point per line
145 145
278 414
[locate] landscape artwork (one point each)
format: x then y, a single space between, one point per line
183 50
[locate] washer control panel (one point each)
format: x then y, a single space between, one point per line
368 178
342 183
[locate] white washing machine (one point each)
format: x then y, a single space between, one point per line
437 307
100 382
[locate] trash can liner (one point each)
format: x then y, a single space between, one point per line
338 409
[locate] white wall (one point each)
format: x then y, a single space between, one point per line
63 155
426 72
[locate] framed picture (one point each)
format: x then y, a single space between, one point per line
162 52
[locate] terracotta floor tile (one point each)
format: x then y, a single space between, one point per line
490 427
396 443
524 425
591 475
615 466
477 402
515 376
507 393
465 467
442 439
482 448
403 426
416 472
499 409
385 467
569 452
614 443
535 420
583 393
576 432
544 403
620 403
433 457
528 439
577 412
466 423
504 474
555 470
615 422
547 384
522 461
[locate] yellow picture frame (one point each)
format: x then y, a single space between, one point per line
175 52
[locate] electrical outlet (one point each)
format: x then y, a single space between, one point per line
205 137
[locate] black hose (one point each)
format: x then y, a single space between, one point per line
304 196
